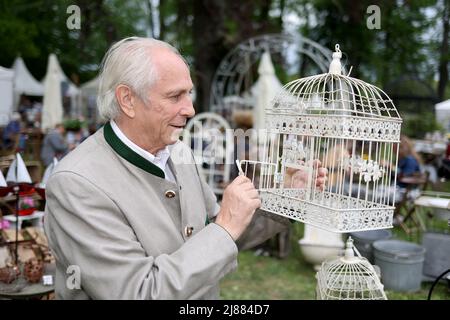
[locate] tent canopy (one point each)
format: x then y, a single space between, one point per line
443 114
72 89
52 110
444 105
90 87
264 90
69 89
6 74
24 82
6 92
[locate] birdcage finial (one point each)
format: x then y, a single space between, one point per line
349 254
335 65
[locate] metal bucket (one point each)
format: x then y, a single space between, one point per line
363 241
401 264
437 256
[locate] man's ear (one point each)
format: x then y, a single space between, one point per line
125 98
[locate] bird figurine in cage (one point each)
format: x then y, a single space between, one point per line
349 278
336 123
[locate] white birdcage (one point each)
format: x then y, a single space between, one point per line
349 278
353 129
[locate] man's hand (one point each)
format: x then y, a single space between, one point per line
240 200
298 178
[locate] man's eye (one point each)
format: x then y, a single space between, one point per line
175 97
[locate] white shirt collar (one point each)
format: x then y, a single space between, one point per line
161 157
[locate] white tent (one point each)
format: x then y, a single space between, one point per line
264 90
6 92
253 102
70 89
443 114
24 82
89 92
90 87
52 110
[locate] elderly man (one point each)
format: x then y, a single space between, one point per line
122 216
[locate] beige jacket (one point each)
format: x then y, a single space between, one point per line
131 233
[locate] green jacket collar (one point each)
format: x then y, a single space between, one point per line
125 152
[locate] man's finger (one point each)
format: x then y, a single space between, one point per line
253 194
317 163
322 172
256 203
241 179
247 186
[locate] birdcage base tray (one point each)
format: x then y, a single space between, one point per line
335 213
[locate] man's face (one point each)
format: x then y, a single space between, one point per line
169 105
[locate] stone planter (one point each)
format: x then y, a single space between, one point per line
318 245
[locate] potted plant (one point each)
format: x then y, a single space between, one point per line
26 205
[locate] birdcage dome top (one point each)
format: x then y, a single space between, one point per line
349 277
334 93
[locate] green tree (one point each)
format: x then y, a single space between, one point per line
377 55
34 29
205 31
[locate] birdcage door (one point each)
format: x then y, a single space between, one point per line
264 167
283 172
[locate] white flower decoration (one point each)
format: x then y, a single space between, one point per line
369 169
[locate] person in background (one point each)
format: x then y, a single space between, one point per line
11 133
409 161
35 115
54 145
24 105
444 167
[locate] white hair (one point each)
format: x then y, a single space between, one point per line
127 62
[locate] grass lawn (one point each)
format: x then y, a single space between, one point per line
270 278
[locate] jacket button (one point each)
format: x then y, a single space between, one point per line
170 194
188 231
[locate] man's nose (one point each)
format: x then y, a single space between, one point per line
188 110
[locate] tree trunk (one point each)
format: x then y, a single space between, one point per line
443 61
209 48
151 22
282 7
162 15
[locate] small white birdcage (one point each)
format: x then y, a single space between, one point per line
343 124
349 278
